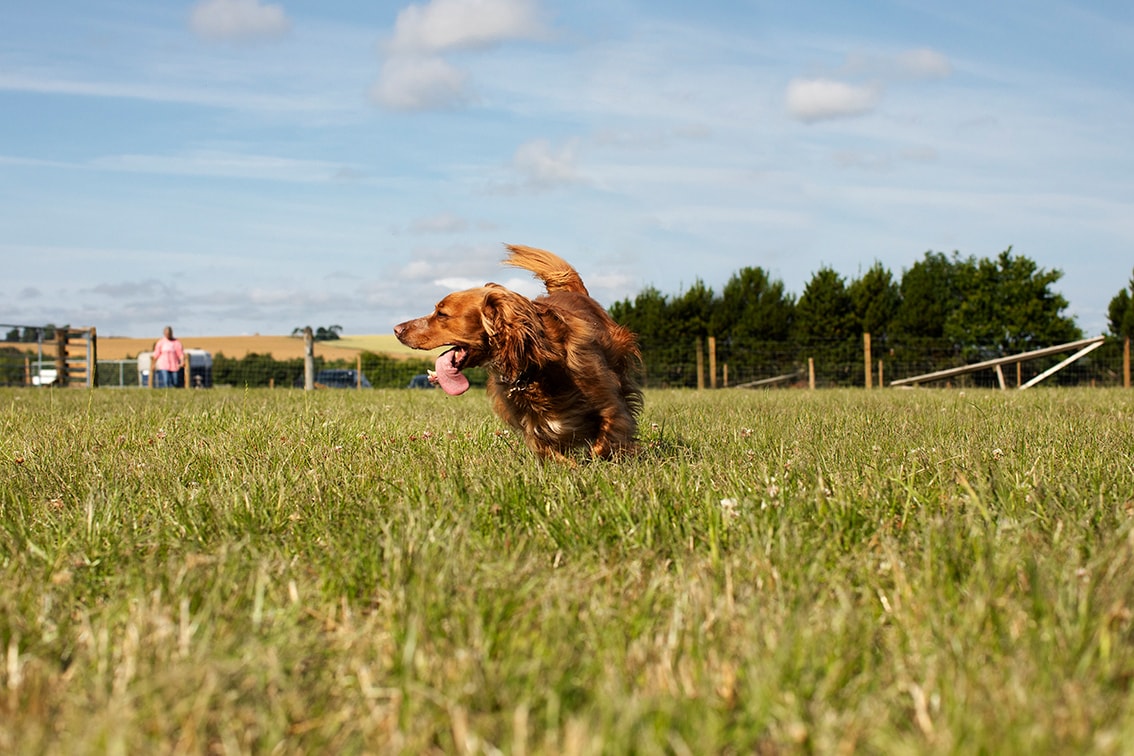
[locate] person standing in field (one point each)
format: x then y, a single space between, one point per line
169 358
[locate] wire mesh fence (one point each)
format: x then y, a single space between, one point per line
829 364
699 364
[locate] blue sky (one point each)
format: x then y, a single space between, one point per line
244 166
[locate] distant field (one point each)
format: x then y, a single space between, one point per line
381 343
280 347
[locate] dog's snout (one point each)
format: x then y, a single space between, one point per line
399 329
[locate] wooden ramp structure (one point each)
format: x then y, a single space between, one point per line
1084 347
765 382
76 357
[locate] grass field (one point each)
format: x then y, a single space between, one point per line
347 572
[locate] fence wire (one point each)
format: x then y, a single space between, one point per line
767 365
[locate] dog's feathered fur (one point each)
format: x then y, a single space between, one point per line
560 370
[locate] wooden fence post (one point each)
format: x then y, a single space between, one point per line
92 358
308 359
712 362
881 382
811 373
866 359
700 366
1126 363
61 357
358 370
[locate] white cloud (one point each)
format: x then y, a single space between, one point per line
190 94
924 64
529 287
443 223
542 166
414 76
457 283
820 99
884 161
238 19
287 297
444 25
919 63
419 83
223 164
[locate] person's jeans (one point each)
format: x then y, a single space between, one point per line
167 378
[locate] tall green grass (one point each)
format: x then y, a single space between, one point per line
389 571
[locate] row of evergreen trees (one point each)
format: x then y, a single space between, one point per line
945 310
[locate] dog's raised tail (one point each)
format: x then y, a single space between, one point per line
554 271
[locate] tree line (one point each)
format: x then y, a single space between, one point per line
944 311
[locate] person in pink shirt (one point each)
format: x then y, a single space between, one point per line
169 357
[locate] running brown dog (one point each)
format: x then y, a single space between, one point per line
560 370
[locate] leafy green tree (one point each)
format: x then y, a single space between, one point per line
752 323
752 307
692 313
690 319
1120 313
876 298
825 310
328 333
322 333
649 317
826 327
928 291
1008 307
667 330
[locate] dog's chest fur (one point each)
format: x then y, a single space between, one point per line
546 405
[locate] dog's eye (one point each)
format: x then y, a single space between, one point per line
441 314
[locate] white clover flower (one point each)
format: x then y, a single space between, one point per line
730 506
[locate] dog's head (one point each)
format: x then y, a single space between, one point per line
489 325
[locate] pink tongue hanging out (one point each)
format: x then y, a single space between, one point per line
448 375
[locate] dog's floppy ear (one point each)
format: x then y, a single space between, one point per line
515 332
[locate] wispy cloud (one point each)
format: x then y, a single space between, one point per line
857 87
540 165
186 94
443 223
235 20
924 64
441 26
415 82
207 163
414 74
150 288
